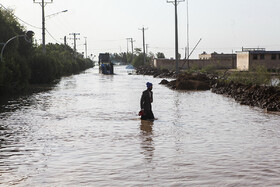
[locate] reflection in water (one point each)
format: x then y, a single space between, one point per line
146 134
84 132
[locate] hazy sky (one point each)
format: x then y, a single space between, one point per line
223 25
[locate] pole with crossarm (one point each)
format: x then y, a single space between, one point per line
43 3
176 2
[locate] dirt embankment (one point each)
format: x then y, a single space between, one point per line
161 73
183 81
193 81
266 97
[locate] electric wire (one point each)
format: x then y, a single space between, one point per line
52 36
29 23
63 25
19 18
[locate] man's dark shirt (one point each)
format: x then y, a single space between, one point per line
146 100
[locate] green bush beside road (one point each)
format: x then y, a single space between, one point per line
24 63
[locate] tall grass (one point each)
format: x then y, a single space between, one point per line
259 76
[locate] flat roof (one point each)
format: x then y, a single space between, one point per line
259 52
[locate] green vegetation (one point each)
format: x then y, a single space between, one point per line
193 69
124 58
24 64
258 76
137 58
59 61
160 55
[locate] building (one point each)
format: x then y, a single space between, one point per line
251 58
217 56
213 60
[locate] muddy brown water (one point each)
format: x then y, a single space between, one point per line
86 132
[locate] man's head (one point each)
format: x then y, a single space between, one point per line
149 85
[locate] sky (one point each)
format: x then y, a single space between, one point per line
225 26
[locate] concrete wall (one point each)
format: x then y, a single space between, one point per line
266 62
194 63
246 60
243 61
217 56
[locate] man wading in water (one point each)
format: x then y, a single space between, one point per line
146 103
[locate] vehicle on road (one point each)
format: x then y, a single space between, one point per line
106 67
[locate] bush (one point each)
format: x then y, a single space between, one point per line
43 69
138 60
259 76
59 61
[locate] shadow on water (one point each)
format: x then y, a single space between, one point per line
146 135
10 103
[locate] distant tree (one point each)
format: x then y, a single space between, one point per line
138 51
160 55
138 60
120 57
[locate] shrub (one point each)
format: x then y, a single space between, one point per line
259 76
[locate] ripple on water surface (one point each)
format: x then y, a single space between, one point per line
86 132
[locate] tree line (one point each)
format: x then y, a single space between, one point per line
24 63
137 58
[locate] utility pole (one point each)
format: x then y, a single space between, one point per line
43 4
188 35
132 41
65 40
144 46
176 2
127 39
75 38
85 46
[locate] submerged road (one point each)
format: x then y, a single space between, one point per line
86 132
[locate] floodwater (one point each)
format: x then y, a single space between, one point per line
86 132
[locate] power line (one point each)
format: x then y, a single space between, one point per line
63 25
109 40
52 36
20 19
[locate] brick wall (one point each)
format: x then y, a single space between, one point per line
195 63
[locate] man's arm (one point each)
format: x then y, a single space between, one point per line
142 101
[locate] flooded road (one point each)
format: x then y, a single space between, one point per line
86 132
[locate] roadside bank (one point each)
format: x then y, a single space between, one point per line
265 97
